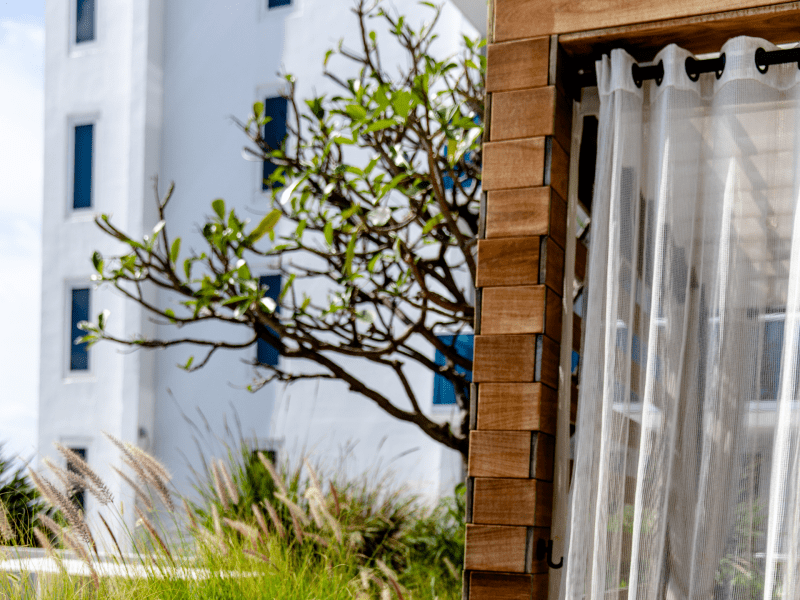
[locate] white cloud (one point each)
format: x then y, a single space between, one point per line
21 177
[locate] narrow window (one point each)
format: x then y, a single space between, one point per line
274 131
79 353
443 390
77 494
84 21
82 184
266 354
277 3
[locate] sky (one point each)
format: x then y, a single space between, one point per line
21 176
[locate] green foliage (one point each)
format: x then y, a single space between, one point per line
21 502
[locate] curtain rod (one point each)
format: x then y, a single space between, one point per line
694 68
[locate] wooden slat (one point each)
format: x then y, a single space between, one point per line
499 453
554 266
558 220
519 212
522 406
497 586
580 261
519 19
544 459
513 164
504 358
562 128
512 502
699 34
508 261
519 309
559 169
495 548
523 113
553 316
577 327
517 65
550 358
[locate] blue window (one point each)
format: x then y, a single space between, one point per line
77 493
443 391
277 3
84 21
79 353
82 183
265 353
274 131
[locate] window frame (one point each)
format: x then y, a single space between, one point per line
73 122
77 49
71 375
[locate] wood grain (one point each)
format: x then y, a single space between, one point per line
517 309
544 457
778 22
523 113
496 586
499 453
519 212
553 260
495 548
553 315
517 65
558 177
512 502
558 220
518 19
513 164
508 261
517 406
504 358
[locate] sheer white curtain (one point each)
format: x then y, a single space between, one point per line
685 482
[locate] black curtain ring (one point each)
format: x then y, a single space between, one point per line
761 63
690 66
660 76
721 61
636 73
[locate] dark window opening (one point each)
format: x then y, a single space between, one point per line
266 354
82 184
77 494
274 133
277 3
79 353
84 30
587 158
443 390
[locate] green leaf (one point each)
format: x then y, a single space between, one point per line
328 55
102 319
286 287
175 250
306 302
379 125
188 364
356 112
266 225
328 231
373 261
378 217
287 193
219 207
258 108
349 254
170 314
402 103
97 261
432 222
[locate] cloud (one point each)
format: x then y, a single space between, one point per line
21 178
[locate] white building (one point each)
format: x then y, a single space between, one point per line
137 88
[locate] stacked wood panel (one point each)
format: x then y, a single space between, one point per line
520 278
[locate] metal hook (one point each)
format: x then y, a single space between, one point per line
544 549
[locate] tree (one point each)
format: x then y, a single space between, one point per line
19 505
392 237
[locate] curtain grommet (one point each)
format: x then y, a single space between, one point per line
761 63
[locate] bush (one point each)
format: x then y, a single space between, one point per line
19 503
